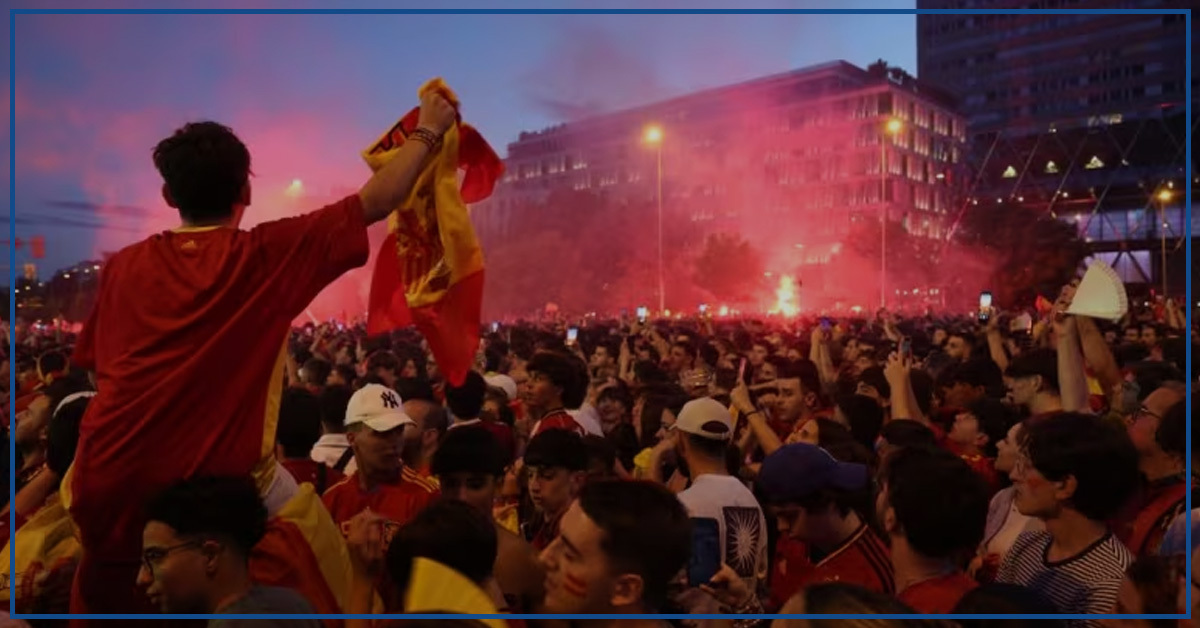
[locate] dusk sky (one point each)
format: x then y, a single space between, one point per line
308 92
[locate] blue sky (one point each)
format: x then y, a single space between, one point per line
307 92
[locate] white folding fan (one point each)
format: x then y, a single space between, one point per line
1101 294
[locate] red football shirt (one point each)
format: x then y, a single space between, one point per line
938 595
187 341
863 559
559 420
398 502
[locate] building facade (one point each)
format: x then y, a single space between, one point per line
1079 116
788 161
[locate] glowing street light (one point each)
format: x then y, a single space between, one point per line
296 188
1165 196
894 126
653 136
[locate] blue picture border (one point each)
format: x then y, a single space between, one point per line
12 270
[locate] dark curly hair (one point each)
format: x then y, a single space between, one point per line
205 167
942 523
213 507
1097 454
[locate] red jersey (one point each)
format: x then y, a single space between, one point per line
399 501
938 595
559 420
187 341
863 560
985 467
1144 523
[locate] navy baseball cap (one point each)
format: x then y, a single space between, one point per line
799 470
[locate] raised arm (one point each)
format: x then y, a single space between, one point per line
392 183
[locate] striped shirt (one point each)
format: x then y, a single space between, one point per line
863 560
1082 584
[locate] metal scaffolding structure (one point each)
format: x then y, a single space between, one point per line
1121 181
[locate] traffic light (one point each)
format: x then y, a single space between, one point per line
37 247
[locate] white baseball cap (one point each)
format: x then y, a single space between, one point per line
705 417
503 382
378 407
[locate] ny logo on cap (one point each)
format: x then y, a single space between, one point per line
389 400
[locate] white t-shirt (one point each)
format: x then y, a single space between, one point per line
588 418
741 528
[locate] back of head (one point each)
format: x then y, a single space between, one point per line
946 523
227 509
415 389
1038 362
316 371
205 168
470 449
1097 453
908 434
466 401
836 598
1004 599
299 422
450 532
333 401
562 449
62 435
865 417
646 532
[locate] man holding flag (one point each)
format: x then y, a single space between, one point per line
181 307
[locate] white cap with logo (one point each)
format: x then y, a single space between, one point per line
378 407
705 417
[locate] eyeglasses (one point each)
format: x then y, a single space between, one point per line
1142 412
155 555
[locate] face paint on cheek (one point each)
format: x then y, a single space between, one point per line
1035 483
574 585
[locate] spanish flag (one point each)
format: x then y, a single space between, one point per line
46 552
430 268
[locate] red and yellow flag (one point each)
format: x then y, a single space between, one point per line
430 269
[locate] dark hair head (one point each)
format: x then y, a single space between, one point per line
415 389
52 362
1004 599
384 360
466 401
205 167
1098 454
942 523
62 435
865 417
226 509
299 422
1039 362
837 598
449 532
994 418
566 372
875 378
470 449
334 400
908 434
646 531
557 448
316 371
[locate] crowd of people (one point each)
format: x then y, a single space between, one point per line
191 451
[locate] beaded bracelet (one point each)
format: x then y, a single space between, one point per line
426 137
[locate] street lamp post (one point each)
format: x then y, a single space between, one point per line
892 127
1164 197
654 137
